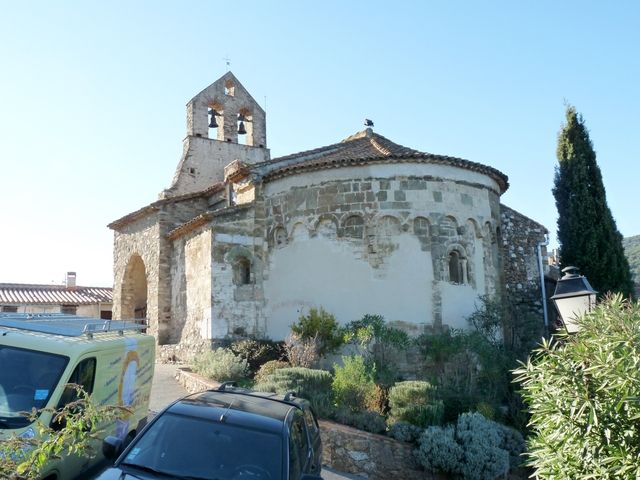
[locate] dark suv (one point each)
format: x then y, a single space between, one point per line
224 434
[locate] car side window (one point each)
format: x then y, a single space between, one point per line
298 446
312 423
83 375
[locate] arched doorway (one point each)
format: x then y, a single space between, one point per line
134 290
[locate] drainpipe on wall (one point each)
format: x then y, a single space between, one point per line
544 291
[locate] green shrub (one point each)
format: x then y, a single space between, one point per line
353 384
486 410
481 441
379 341
474 449
268 368
405 432
413 402
469 370
322 326
439 451
221 364
257 352
583 394
314 385
364 420
513 442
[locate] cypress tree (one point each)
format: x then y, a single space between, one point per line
587 232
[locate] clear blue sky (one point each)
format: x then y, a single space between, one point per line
92 98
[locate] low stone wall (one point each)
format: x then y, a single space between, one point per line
344 448
369 455
192 382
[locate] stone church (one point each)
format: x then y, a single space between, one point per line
240 244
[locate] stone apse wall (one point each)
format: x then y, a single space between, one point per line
379 240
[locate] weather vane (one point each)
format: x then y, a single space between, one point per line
227 60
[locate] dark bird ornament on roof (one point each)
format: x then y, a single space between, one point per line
368 123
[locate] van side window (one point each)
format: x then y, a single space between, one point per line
84 375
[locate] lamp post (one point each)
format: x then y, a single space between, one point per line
573 297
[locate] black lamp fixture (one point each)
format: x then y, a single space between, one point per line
573 297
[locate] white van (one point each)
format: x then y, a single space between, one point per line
41 354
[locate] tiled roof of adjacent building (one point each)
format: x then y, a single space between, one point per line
155 206
365 147
23 293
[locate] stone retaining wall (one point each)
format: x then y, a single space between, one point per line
344 448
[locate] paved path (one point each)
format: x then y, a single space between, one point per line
165 389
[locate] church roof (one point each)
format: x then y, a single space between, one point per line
365 147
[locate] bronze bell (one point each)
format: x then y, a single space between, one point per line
213 123
241 117
241 129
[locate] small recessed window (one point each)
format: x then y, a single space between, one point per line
458 272
242 271
354 227
192 171
421 226
280 237
229 88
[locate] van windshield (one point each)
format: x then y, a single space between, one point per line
27 380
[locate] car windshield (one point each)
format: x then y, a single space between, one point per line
27 380
189 447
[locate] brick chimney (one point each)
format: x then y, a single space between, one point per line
70 280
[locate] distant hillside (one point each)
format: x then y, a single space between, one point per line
632 250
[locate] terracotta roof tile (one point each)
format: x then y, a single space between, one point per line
24 293
365 147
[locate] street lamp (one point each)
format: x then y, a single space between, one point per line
573 297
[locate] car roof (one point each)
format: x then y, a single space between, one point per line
241 408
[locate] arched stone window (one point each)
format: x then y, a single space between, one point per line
458 272
280 237
353 227
421 226
242 271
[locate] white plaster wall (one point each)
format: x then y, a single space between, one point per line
458 302
330 273
382 170
38 308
